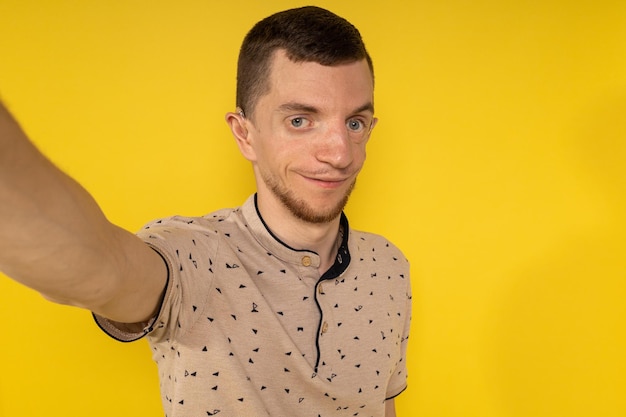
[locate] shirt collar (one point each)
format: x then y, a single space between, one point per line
275 247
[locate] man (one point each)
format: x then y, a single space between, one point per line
276 308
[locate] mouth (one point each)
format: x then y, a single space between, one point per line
327 182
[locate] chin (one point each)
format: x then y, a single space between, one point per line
312 211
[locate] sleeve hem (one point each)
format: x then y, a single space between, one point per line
115 332
398 393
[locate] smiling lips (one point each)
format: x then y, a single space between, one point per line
327 182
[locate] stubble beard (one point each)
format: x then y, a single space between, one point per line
301 209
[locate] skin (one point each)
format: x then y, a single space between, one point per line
306 142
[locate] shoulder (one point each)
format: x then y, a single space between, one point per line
376 256
177 226
171 236
369 243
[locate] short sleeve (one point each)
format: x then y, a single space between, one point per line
187 247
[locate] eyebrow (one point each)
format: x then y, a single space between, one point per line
305 108
366 107
297 107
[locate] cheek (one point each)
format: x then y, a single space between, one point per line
275 156
360 153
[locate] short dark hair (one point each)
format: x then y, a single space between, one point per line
306 34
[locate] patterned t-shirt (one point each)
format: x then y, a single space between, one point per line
248 327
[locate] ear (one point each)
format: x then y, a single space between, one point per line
239 127
374 123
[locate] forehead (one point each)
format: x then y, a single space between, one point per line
328 88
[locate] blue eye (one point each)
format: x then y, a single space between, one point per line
355 125
297 122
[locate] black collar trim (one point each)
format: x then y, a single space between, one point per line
342 260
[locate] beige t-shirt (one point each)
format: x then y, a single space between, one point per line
249 328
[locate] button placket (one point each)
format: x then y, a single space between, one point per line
324 327
326 312
326 331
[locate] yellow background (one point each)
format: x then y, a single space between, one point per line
498 166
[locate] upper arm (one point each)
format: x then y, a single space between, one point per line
137 288
123 282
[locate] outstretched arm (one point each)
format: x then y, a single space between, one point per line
55 239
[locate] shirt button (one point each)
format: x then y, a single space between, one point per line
324 327
306 260
320 289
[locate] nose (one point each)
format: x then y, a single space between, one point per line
335 147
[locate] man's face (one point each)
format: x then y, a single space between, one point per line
309 134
